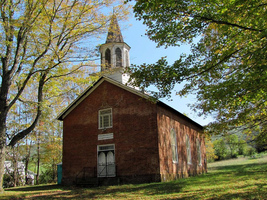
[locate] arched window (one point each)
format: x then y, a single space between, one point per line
107 58
118 57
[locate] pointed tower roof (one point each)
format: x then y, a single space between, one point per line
114 32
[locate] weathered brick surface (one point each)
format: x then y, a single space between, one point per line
142 149
167 120
134 129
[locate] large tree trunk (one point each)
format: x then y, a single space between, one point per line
3 115
2 153
2 161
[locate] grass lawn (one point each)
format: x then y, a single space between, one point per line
242 178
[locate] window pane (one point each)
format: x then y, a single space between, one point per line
105 118
106 121
188 148
174 146
199 152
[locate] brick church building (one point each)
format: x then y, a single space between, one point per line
114 133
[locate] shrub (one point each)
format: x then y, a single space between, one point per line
220 148
47 176
210 151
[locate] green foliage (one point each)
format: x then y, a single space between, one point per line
251 151
242 147
43 56
227 67
261 142
220 148
232 145
48 176
8 181
232 142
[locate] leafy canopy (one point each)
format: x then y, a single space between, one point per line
42 42
227 65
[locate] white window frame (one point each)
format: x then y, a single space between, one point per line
188 149
199 158
106 147
174 146
101 124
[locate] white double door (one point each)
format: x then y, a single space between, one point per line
106 161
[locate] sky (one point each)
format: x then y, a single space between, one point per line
144 50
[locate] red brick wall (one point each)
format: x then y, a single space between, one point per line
134 129
141 132
167 120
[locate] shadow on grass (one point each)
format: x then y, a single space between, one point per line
35 188
222 182
54 192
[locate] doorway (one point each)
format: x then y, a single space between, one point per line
106 161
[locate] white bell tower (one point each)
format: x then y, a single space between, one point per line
115 54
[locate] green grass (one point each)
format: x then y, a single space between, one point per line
241 178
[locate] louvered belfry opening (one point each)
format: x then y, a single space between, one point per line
118 57
107 58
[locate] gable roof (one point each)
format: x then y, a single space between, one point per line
90 89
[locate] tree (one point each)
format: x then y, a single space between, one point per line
242 147
220 148
232 142
210 152
227 67
39 42
46 138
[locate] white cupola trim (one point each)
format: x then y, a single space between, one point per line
115 54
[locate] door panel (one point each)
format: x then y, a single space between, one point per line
102 164
110 164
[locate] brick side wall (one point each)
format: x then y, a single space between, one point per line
134 129
169 170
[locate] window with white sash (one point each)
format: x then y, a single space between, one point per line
188 149
105 118
199 159
174 146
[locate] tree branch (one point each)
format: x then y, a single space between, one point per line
26 131
31 72
204 18
212 66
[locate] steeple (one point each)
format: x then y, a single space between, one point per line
115 52
114 32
